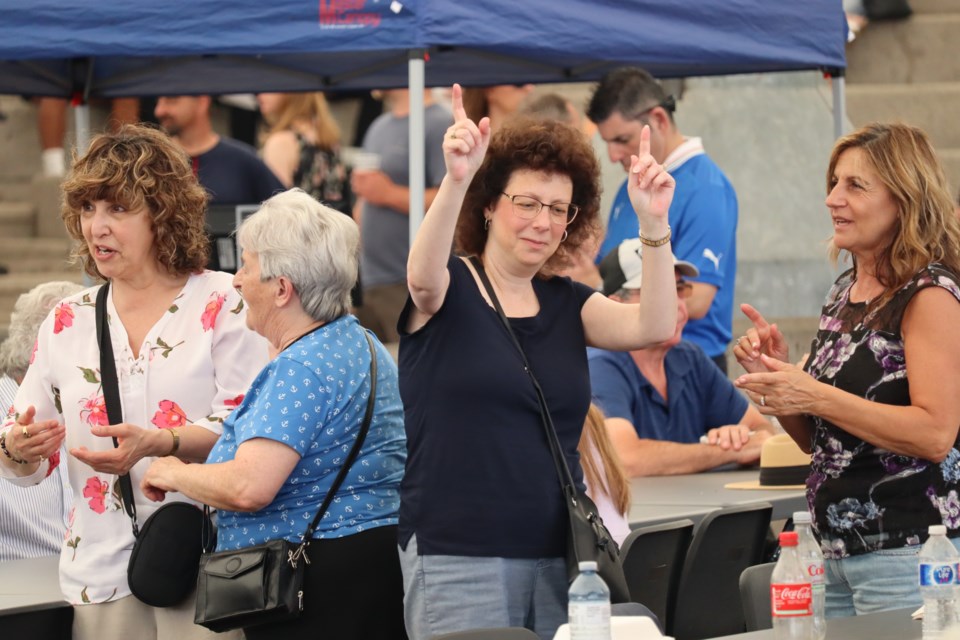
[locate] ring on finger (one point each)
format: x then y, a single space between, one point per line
26 434
763 401
453 135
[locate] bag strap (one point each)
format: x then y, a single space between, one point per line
111 396
563 469
342 474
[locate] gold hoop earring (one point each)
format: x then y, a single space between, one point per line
565 234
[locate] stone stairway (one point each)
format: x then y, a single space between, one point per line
909 71
33 245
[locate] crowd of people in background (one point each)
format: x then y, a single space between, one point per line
624 318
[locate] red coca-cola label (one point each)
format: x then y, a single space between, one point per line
791 600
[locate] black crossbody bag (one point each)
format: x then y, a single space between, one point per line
587 537
162 570
264 583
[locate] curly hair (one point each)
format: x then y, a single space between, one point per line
927 228
141 167
546 146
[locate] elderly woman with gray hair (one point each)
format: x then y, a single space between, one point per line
32 520
281 448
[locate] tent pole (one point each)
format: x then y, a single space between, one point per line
417 140
81 121
838 83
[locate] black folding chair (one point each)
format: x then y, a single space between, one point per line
652 561
726 542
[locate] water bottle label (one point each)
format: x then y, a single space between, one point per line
589 620
815 571
788 600
938 574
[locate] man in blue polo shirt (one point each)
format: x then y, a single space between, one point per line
668 409
703 215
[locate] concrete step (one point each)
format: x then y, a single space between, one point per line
922 48
17 219
932 107
935 6
31 255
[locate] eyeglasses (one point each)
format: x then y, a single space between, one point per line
529 208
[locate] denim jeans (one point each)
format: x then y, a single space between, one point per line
872 582
443 594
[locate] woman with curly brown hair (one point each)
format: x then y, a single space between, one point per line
482 516
184 358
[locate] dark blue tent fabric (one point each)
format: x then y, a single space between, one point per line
140 47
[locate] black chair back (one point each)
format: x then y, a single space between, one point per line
726 542
652 561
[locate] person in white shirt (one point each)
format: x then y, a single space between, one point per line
32 520
184 358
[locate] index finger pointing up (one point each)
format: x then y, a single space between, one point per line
457 98
644 141
754 316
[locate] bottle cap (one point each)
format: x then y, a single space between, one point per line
587 565
788 539
802 517
937 530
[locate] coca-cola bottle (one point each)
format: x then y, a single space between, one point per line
791 594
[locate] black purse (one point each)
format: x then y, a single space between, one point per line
264 583
162 570
587 536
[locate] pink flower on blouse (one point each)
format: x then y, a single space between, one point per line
94 411
96 491
54 461
210 312
169 416
234 402
62 317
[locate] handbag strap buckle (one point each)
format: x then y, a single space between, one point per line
293 557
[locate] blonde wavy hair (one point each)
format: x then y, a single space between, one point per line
927 228
312 108
141 167
613 481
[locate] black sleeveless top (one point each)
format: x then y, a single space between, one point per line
865 498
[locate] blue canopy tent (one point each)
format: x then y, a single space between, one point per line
138 48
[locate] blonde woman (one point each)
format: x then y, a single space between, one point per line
607 484
303 146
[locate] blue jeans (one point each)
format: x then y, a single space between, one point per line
443 594
872 582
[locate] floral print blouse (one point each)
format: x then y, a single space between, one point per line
194 367
865 498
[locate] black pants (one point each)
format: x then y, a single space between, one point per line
353 590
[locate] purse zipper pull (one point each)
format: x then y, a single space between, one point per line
300 599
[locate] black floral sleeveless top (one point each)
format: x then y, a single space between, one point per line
322 174
864 498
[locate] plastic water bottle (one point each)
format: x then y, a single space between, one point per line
589 605
938 582
811 559
791 594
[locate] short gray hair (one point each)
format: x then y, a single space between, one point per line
28 314
316 247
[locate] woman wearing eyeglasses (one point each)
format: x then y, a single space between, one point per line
482 519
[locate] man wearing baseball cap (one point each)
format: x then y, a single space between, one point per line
669 409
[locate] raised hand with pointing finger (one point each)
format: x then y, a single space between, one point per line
649 184
465 143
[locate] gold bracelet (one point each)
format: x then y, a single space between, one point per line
6 452
176 441
656 243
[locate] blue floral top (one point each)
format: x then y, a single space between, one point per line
865 498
